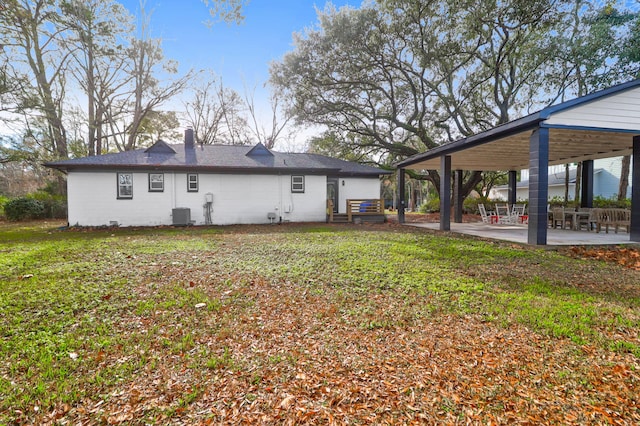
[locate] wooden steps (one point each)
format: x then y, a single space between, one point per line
340 218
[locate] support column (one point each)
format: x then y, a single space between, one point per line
538 186
445 193
457 196
635 191
586 191
512 188
401 196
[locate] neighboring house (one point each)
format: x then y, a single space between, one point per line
606 179
210 184
607 182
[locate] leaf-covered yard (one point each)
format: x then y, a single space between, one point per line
313 324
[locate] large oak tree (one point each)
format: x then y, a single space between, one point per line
399 77
31 34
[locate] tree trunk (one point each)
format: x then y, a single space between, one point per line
49 104
91 101
99 135
576 196
472 181
624 177
566 183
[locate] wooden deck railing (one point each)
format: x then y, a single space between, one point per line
330 210
364 207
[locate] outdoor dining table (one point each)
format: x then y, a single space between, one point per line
575 216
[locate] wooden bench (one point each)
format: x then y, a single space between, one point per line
611 217
621 218
366 209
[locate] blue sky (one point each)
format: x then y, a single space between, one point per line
240 54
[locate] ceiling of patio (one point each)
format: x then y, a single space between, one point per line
512 152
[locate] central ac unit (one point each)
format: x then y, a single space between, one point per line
181 216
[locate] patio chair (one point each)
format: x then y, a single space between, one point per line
559 218
486 215
517 212
582 219
593 219
502 212
604 218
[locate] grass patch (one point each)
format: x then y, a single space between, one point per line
86 315
558 311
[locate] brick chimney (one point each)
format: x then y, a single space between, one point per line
189 142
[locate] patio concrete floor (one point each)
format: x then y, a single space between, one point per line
518 234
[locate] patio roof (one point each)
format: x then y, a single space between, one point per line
600 125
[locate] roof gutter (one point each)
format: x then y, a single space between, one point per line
65 168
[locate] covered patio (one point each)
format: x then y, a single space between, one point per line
518 234
600 125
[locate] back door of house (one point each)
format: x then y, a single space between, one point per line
332 192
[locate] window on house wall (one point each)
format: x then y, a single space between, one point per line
192 182
125 185
156 182
297 183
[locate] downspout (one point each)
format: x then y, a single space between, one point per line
401 195
173 190
280 197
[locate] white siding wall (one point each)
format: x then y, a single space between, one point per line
241 199
522 194
557 169
237 199
619 111
606 182
92 200
357 188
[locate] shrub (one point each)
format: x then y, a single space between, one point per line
612 202
55 206
598 201
560 202
24 208
3 200
470 204
557 202
430 206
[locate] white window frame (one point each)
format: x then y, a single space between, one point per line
124 180
156 182
192 185
297 184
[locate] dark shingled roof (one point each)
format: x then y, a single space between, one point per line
218 159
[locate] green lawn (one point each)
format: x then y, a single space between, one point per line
309 324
